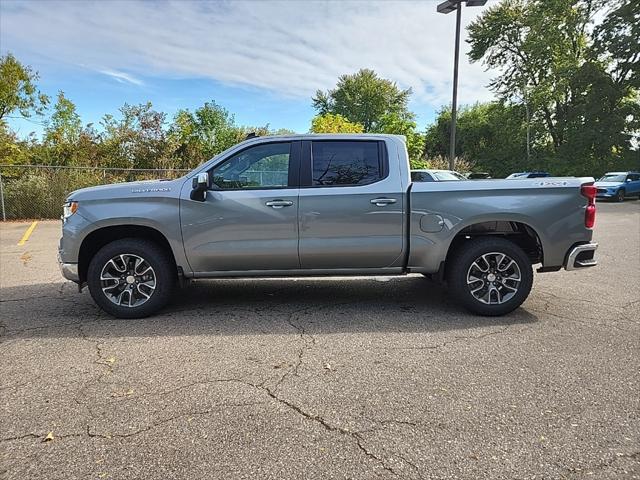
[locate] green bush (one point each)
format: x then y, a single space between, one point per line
39 194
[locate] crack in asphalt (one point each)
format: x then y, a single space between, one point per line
19 437
97 361
162 393
6 331
41 437
576 299
9 332
357 437
621 308
308 340
457 339
604 464
595 321
156 424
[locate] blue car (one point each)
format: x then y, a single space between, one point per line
618 186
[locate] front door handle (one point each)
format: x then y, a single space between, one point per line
279 203
381 202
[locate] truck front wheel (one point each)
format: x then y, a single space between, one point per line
490 276
131 278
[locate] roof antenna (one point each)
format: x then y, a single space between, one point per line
250 135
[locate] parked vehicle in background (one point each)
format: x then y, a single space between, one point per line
478 176
618 186
323 205
528 175
436 176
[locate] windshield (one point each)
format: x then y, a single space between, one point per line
444 176
613 178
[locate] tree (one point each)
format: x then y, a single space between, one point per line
65 124
18 91
616 39
61 134
334 123
365 102
364 98
12 150
547 60
492 137
137 139
535 45
199 135
396 125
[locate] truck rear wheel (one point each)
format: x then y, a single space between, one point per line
131 278
490 276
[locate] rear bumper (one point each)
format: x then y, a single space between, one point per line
581 256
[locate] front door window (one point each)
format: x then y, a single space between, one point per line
260 167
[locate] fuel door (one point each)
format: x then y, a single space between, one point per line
431 223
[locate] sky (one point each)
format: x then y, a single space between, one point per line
261 60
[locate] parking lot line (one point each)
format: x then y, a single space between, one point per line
28 233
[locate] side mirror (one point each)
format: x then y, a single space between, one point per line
628 180
200 185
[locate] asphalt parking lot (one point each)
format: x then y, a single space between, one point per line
322 378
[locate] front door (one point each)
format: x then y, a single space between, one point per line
351 206
248 220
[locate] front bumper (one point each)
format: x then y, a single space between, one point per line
69 270
606 193
581 256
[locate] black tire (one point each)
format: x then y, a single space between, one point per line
619 196
460 268
163 269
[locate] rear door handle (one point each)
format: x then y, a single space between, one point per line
381 202
279 203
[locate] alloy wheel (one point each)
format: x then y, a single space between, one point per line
494 278
128 280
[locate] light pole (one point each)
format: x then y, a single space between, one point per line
449 6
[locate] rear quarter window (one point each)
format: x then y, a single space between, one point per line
421 177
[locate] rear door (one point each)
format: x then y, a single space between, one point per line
249 219
350 206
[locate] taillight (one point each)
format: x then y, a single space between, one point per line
589 191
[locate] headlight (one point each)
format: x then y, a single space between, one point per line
68 209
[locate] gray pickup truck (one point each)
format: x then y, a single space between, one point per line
323 205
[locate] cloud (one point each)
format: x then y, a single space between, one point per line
291 48
122 77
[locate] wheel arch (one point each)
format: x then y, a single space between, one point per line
522 234
100 237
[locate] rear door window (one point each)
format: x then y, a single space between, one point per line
344 163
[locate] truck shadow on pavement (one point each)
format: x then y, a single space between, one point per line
252 307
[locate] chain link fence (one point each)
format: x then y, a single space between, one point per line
38 191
